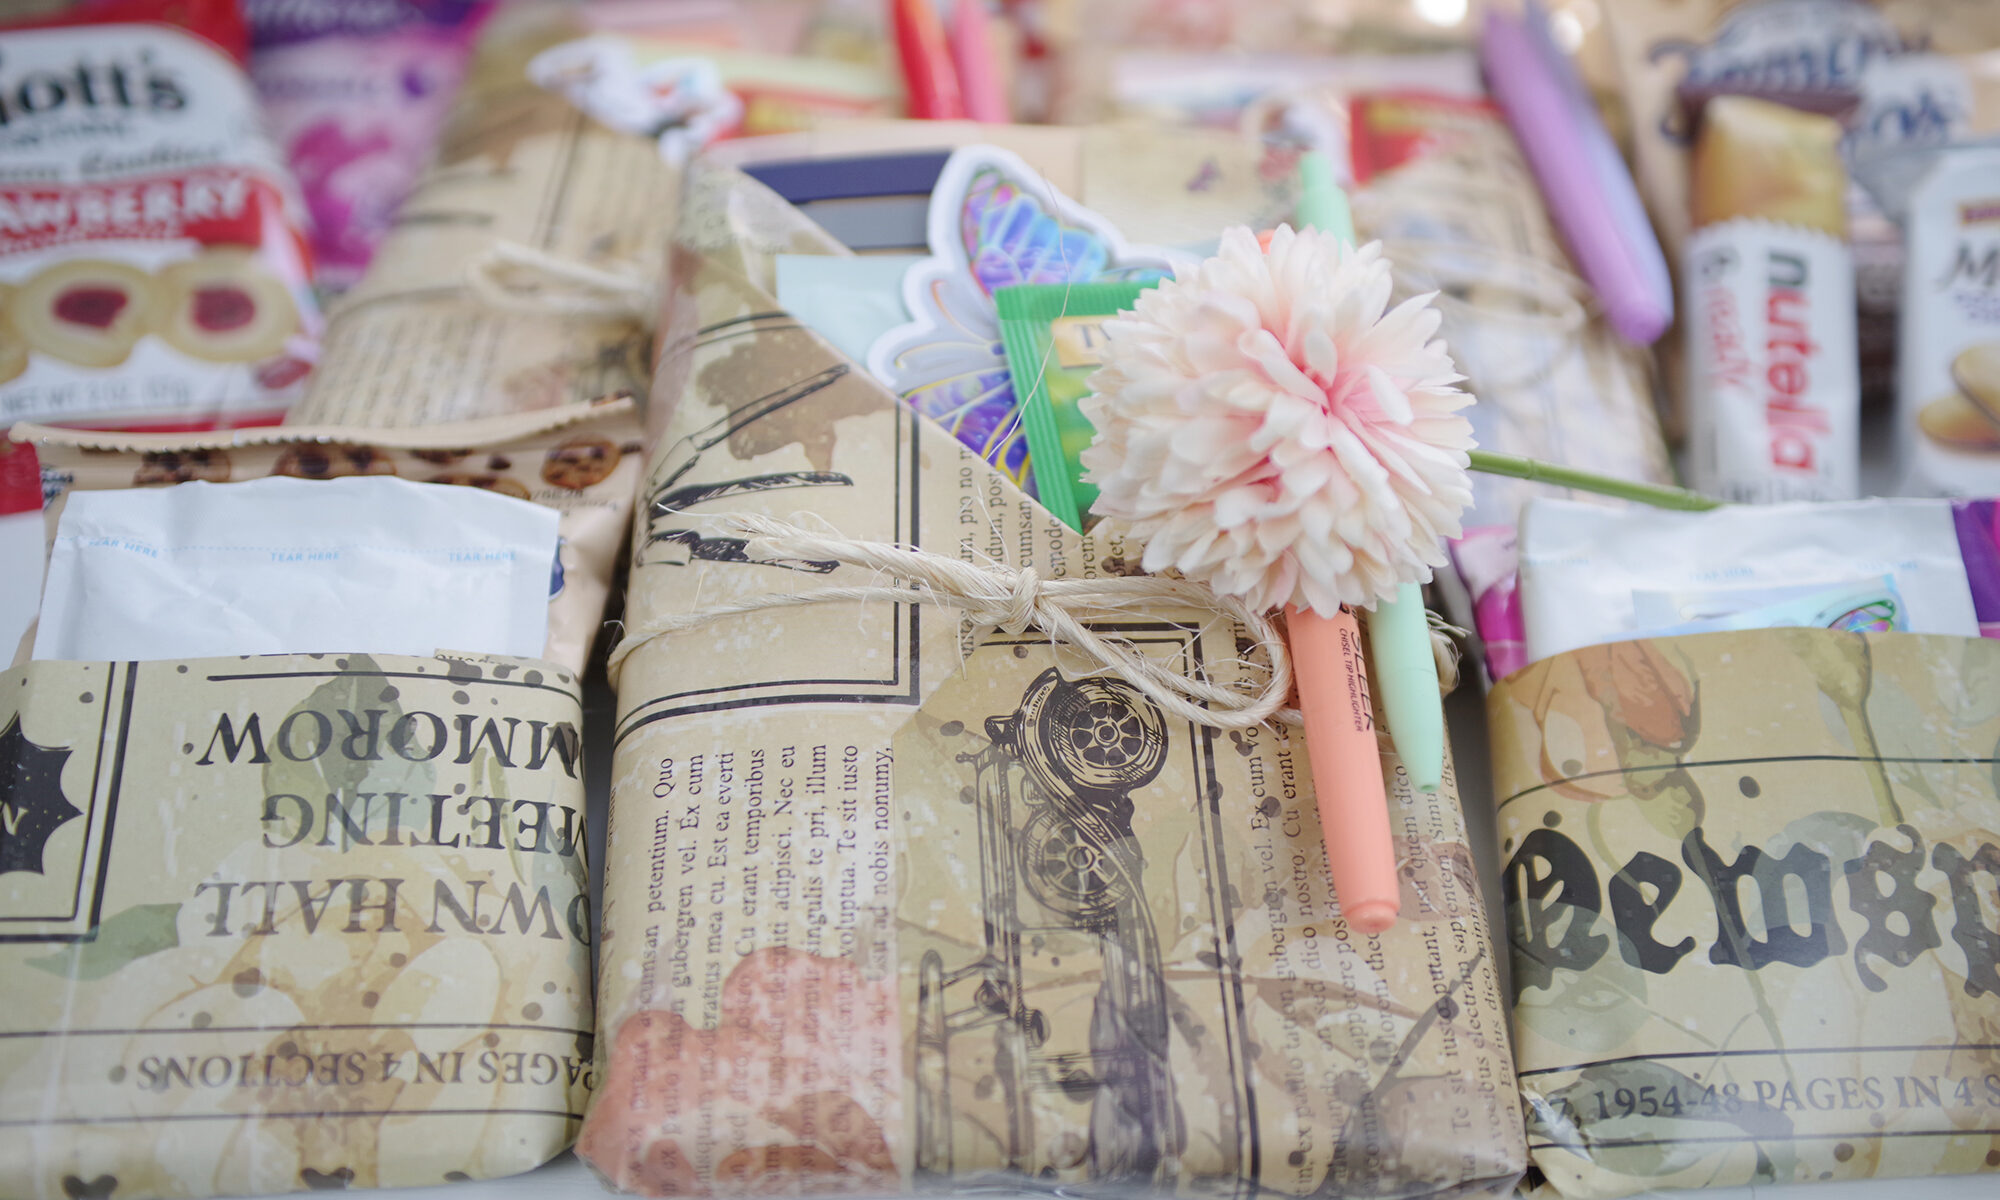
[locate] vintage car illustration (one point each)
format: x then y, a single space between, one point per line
1059 863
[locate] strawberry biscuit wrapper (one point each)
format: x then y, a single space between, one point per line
152 268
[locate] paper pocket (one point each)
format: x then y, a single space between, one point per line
1750 887
270 923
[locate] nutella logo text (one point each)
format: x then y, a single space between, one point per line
1796 423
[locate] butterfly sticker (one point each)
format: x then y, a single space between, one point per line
993 223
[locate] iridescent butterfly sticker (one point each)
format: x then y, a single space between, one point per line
993 223
1876 616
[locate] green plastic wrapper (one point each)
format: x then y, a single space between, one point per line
1054 335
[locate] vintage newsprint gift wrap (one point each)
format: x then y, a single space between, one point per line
1750 886
289 922
897 903
521 166
582 460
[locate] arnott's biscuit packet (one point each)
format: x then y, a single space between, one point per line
895 903
289 923
1751 880
582 460
153 265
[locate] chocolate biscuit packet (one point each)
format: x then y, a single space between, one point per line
1750 888
582 460
289 923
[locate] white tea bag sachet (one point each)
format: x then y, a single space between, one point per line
1592 574
371 564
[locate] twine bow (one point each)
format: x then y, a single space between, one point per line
516 278
1012 599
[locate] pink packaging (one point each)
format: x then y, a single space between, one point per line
355 93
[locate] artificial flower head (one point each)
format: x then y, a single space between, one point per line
1270 426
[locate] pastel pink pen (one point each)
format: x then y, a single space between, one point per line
1347 767
981 91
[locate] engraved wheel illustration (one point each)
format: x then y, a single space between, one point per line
1100 735
1067 871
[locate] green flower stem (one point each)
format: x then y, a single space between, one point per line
1585 481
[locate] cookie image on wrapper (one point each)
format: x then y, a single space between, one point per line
89 312
223 307
1976 371
1957 422
491 483
167 467
581 463
333 461
13 347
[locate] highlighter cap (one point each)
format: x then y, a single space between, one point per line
1762 160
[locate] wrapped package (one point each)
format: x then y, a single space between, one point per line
355 93
289 923
582 460
1750 886
1927 71
413 344
153 265
1442 183
898 903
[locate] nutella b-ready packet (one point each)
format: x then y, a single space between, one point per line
1774 403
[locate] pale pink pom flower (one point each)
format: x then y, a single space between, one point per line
1270 426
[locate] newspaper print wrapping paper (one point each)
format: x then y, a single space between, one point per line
289 922
410 344
892 904
1751 895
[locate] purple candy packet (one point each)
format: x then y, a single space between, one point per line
356 92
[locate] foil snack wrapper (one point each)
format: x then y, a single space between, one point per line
289 922
1749 890
895 904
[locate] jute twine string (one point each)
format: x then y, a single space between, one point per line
1012 599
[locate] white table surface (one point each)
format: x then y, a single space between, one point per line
566 1178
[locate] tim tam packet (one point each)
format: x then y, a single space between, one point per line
581 459
1751 889
895 904
289 922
